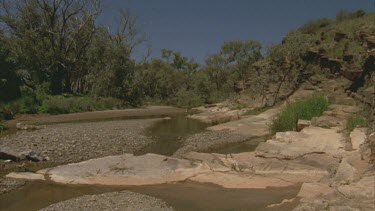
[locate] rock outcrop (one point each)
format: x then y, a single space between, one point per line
292 145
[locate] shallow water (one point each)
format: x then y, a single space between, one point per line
169 134
183 196
247 146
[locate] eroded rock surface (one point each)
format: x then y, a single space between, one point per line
292 145
126 170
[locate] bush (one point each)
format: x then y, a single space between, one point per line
2 126
65 105
188 99
313 26
343 15
10 109
355 121
305 109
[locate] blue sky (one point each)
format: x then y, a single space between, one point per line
197 28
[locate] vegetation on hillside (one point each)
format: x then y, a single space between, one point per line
305 109
55 57
2 126
324 47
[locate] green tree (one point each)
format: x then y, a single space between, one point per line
50 36
286 60
217 70
240 55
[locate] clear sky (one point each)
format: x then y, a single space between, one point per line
197 28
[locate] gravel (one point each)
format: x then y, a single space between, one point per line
124 200
8 185
75 142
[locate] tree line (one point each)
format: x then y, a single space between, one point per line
54 49
61 46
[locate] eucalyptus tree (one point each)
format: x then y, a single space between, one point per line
50 37
240 55
286 60
217 70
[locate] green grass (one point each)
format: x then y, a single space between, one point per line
304 109
355 121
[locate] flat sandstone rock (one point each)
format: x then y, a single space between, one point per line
292 145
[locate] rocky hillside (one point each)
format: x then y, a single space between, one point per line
319 50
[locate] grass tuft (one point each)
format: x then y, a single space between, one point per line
304 109
355 121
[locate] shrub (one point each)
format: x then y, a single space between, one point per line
64 105
313 26
10 109
55 105
343 15
304 109
2 126
188 99
355 121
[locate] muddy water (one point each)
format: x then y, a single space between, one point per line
247 146
184 196
169 134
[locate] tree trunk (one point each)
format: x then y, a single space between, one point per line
68 84
57 82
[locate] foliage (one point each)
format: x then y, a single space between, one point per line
286 61
188 99
313 26
2 125
239 55
59 42
343 15
64 105
355 121
304 109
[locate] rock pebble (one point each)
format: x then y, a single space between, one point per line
74 142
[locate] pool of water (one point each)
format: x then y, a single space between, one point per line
169 134
247 146
183 196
